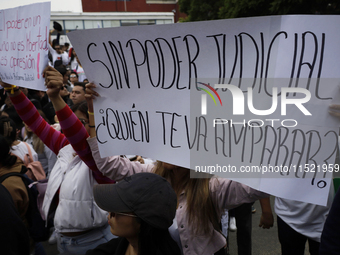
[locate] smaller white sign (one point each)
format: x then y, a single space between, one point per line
24 38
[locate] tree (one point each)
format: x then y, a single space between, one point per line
244 8
200 9
280 7
223 9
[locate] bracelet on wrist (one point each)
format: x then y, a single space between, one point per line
12 89
92 126
90 113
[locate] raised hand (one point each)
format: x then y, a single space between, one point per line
90 94
53 82
334 110
5 85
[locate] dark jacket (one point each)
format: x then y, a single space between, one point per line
330 238
14 237
116 246
49 111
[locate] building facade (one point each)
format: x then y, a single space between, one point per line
116 13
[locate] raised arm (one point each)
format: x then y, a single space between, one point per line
116 167
54 139
73 129
90 95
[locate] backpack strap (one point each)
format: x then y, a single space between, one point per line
5 176
29 152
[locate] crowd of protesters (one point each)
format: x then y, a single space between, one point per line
90 211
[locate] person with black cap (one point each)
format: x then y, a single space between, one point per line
142 208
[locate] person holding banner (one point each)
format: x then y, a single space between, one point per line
330 237
299 223
201 201
329 243
80 223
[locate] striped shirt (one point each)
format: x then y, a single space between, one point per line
74 132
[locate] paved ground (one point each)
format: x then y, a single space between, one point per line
265 241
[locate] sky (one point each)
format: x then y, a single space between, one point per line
56 5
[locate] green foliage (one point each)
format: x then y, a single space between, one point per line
200 9
244 8
223 9
281 7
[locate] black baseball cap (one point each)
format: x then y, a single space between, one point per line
148 195
57 26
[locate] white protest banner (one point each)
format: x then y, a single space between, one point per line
24 35
159 97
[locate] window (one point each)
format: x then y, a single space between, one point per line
111 23
93 24
163 21
147 22
73 25
129 22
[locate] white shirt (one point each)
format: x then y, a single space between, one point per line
81 73
306 219
20 150
56 56
77 210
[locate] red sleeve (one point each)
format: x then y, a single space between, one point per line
76 134
54 139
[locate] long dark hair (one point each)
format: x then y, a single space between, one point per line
6 159
155 241
8 129
200 209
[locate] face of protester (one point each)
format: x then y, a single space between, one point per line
63 91
59 49
77 94
83 118
123 225
73 78
65 78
